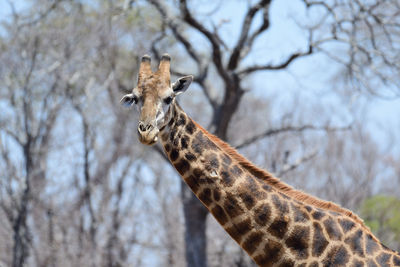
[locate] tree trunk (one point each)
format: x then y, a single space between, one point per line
194 211
228 107
20 228
195 228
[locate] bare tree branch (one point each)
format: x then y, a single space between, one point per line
212 37
280 66
286 129
41 15
292 166
202 68
236 54
177 33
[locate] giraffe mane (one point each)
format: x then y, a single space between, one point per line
276 183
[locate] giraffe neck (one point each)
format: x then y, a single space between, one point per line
273 226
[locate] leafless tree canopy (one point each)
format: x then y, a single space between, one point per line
77 189
369 30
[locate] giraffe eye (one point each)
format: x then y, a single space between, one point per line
135 99
168 100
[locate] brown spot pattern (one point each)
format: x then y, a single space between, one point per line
298 214
319 241
185 142
167 148
181 120
190 156
164 137
383 259
205 180
231 206
371 263
252 242
286 263
262 214
298 241
346 225
337 256
197 143
318 215
219 214
357 263
253 187
232 231
205 196
174 154
333 229
266 187
175 143
190 127
252 190
371 245
197 172
202 142
227 179
236 170
172 135
217 194
244 226
278 227
226 159
396 260
284 196
213 162
171 122
247 199
272 253
192 183
281 206
182 166
355 243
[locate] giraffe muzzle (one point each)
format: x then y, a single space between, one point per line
147 133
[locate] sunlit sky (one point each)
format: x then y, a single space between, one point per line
309 75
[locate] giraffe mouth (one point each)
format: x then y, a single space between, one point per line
149 138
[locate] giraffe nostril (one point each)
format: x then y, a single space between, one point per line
142 127
145 127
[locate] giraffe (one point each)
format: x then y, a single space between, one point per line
274 223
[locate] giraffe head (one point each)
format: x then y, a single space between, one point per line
153 96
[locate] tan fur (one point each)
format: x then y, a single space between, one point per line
164 67
281 186
145 68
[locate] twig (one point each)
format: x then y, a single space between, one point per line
290 167
286 129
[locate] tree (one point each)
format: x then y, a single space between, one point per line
77 188
63 178
356 25
369 32
382 215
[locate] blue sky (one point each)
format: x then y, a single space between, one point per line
284 36
5 6
308 77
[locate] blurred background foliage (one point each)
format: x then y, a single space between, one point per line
382 214
308 90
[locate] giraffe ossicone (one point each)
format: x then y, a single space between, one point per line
274 223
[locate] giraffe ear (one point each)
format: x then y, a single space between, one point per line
127 100
182 84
